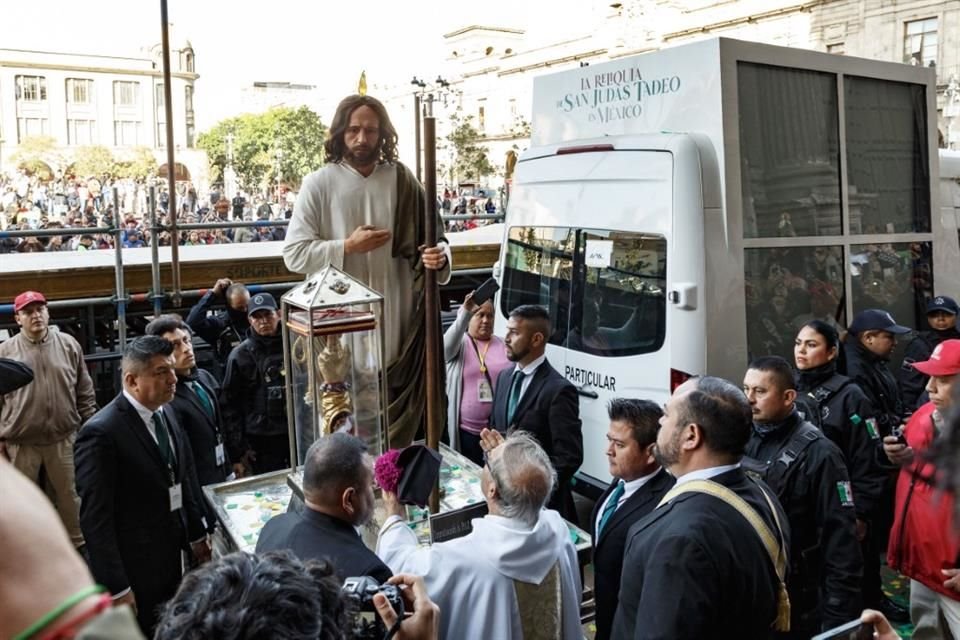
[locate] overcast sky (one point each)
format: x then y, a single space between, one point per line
326 44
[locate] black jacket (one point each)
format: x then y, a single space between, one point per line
133 538
222 330
608 547
838 406
913 383
13 375
698 569
814 490
550 410
252 398
203 430
874 377
314 535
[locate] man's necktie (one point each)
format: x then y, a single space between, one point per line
516 384
611 506
203 396
163 439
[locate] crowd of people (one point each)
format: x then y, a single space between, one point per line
755 508
31 203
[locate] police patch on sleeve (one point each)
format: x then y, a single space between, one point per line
846 493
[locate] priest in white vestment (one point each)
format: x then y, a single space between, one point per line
364 213
515 576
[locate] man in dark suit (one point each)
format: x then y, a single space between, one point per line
639 483
534 397
138 489
337 496
697 567
195 407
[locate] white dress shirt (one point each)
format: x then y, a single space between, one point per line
629 488
528 372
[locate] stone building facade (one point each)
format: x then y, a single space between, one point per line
85 100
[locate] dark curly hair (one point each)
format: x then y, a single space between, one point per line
334 146
242 596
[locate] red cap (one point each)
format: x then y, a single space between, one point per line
944 361
27 297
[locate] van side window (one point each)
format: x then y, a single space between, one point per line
605 290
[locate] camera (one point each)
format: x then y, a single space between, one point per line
366 623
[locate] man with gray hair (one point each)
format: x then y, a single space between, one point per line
337 496
515 575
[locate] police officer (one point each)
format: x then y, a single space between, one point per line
942 318
222 330
870 340
836 404
253 398
808 474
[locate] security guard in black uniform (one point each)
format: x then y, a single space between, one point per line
807 472
222 330
253 398
942 317
870 340
836 404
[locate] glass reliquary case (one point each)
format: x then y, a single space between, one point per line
333 355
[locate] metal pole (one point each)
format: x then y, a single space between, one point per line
416 133
118 265
432 297
155 251
171 160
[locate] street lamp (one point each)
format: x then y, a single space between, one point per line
279 155
421 85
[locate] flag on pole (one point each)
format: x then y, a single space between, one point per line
362 85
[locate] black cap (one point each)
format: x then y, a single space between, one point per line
421 468
876 319
942 303
261 301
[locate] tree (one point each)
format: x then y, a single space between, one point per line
297 133
140 164
39 154
93 161
470 157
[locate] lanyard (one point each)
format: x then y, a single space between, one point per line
481 356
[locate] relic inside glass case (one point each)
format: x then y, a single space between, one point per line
333 349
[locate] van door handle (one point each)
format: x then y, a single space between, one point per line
586 393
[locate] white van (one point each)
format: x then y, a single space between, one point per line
684 210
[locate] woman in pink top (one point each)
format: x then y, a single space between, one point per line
474 358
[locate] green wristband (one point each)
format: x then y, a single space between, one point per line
58 611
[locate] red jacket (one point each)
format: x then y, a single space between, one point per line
923 541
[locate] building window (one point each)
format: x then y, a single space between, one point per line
126 94
81 131
482 118
186 60
79 91
158 97
836 48
920 42
188 99
126 133
28 127
31 88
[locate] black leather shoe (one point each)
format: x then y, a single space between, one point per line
893 611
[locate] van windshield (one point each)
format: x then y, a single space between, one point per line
605 290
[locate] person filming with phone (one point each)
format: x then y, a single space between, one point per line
924 544
474 358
